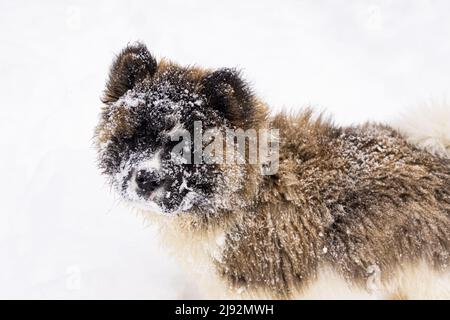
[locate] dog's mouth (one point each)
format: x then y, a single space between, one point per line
161 190
168 198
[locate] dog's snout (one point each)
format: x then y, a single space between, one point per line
148 180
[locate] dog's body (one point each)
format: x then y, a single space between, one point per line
351 212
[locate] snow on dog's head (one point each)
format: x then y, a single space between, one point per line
149 106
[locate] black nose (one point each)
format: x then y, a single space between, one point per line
147 180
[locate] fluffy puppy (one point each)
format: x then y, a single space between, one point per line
354 211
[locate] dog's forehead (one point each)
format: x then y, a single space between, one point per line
145 114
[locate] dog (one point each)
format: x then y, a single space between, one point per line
347 212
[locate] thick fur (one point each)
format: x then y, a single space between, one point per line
352 211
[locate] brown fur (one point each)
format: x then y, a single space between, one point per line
351 198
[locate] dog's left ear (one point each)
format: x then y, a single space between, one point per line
230 96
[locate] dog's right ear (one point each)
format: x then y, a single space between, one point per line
132 65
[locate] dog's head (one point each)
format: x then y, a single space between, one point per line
146 135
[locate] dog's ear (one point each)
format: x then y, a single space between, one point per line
132 65
230 96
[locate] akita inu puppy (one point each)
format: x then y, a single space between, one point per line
347 212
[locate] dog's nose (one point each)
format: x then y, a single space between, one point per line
147 180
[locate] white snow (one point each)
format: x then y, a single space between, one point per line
63 234
154 163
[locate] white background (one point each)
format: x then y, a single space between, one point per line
63 234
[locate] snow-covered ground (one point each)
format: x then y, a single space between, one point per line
63 234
